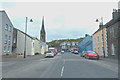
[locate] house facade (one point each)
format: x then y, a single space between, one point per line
6 31
67 45
85 44
112 32
100 41
19 43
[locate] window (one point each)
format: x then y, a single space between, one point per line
98 39
112 31
95 49
94 40
112 49
5 49
101 37
102 50
9 39
14 40
5 39
98 50
8 48
10 28
6 27
33 44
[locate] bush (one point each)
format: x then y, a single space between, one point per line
45 52
37 53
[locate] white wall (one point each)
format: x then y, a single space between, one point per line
6 20
0 33
21 44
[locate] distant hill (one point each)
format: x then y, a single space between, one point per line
56 43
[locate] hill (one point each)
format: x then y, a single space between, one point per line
56 43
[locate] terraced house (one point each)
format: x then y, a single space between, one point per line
100 40
86 44
112 31
6 30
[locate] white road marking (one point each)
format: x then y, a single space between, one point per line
62 71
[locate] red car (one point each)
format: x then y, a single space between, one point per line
91 55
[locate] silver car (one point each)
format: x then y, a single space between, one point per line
49 54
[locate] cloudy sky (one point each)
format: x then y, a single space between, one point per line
63 20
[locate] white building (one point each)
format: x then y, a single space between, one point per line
33 45
19 40
6 30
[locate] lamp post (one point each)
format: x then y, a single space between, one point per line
25 36
101 26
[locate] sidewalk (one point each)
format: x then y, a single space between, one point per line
109 60
34 57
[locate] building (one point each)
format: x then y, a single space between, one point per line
42 32
33 45
100 40
19 43
112 32
67 45
86 44
6 31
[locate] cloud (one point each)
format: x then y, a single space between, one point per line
62 20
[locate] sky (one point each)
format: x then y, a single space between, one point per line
63 20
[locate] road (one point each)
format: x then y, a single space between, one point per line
66 65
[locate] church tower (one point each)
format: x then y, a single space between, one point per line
42 32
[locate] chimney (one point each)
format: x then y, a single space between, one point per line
86 35
116 14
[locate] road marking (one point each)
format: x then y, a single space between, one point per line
62 71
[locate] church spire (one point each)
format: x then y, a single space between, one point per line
43 23
42 32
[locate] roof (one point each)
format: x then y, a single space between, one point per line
111 22
24 33
99 29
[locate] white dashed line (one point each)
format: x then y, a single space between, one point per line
62 71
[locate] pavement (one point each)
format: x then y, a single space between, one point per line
65 65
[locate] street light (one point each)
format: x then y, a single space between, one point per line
101 24
25 36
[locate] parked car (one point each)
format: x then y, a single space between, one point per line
62 51
91 55
49 54
53 50
83 54
75 51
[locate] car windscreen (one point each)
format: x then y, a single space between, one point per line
49 51
92 52
75 49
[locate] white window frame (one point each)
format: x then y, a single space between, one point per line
6 27
5 39
8 48
9 39
112 49
14 40
10 28
5 48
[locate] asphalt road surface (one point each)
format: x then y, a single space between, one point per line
66 65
